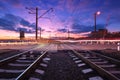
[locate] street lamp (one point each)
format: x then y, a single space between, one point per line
95 15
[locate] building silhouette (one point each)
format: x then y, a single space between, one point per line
22 34
101 33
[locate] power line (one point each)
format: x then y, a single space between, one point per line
36 12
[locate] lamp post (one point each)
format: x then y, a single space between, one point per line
95 15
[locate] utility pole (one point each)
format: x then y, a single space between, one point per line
36 12
36 23
40 33
68 34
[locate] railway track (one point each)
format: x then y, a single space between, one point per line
13 66
59 65
107 67
87 71
6 53
34 71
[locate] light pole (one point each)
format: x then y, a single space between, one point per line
95 15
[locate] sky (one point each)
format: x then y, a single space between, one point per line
75 15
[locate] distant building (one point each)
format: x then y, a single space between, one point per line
22 34
101 33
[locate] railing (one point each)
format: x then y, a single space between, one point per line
92 41
17 43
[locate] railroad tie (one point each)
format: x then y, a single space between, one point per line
27 61
10 71
75 58
78 61
72 55
107 66
32 78
46 59
43 65
86 57
103 62
94 60
115 72
96 78
81 64
85 71
41 72
18 65
8 79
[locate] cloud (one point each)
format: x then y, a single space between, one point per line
15 3
62 30
77 28
111 4
24 22
9 25
15 23
2 6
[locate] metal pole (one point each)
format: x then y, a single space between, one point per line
49 35
40 33
68 34
36 23
118 46
95 21
36 32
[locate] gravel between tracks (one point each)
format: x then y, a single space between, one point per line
61 67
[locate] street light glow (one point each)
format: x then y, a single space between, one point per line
98 13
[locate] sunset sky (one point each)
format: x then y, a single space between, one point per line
75 15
